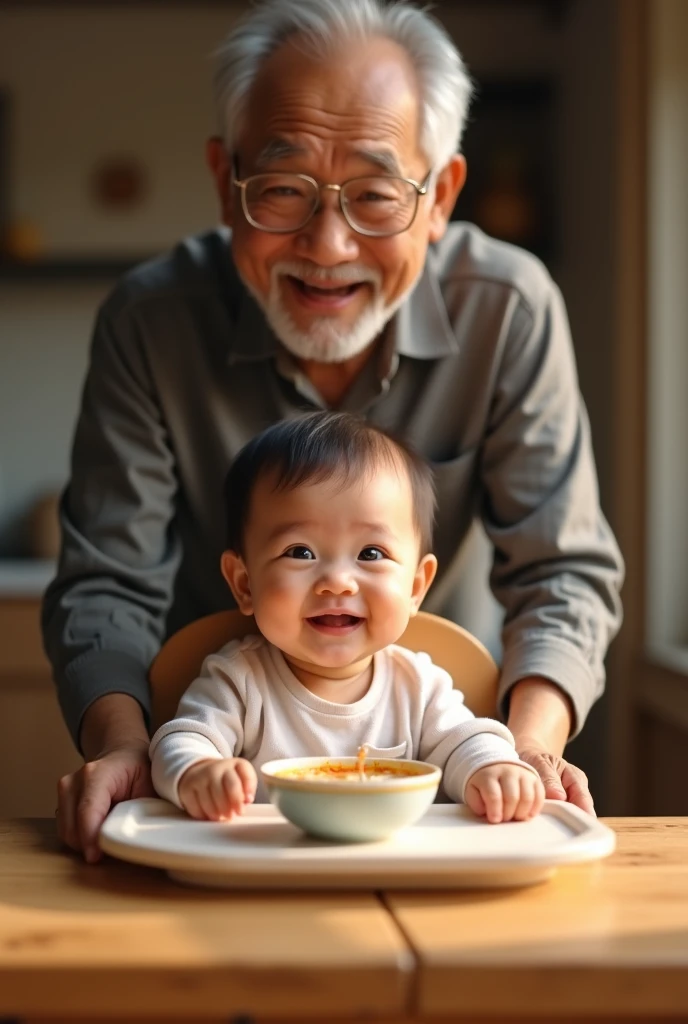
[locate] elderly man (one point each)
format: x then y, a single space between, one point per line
339 284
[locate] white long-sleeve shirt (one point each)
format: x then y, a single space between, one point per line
248 703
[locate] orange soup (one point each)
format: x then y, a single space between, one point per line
334 770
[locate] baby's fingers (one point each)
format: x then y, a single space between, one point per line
473 800
228 794
248 778
492 798
197 803
512 796
532 797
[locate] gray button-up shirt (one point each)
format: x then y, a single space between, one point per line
476 370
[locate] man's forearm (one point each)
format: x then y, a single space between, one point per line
115 720
540 715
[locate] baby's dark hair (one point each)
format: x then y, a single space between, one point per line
320 446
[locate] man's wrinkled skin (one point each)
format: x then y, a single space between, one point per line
114 741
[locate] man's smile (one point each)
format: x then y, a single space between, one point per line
324 294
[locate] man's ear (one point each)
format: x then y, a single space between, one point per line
450 181
220 166
425 574
234 572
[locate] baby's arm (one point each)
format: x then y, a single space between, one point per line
504 792
209 727
478 756
217 790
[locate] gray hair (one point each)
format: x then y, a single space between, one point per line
445 86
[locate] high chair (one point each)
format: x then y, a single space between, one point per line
179 660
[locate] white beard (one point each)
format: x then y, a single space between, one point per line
327 340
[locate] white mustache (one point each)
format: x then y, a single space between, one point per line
347 273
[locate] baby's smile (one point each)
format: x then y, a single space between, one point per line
335 623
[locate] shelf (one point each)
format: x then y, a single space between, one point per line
85 269
25 577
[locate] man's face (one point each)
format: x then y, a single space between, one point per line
326 289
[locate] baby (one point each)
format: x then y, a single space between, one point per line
329 535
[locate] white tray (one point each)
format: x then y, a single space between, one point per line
448 848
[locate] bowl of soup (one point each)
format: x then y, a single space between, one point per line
350 799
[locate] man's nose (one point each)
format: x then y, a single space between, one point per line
327 238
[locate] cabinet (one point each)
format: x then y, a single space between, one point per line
35 747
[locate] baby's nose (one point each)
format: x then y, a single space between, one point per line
337 580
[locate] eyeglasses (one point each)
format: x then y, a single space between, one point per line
377 206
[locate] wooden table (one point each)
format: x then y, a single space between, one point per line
115 942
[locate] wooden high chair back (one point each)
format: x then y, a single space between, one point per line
179 660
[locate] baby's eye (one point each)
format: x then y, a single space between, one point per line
299 551
371 554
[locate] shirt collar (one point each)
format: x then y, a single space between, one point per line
420 329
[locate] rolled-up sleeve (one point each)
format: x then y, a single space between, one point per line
557 569
103 616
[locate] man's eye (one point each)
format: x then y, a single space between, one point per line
371 554
299 551
280 192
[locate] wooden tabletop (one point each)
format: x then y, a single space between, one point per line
118 938
600 939
117 941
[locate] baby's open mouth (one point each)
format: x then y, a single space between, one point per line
335 621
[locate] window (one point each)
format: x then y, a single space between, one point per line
667 509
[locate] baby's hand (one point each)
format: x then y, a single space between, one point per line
505 792
217 790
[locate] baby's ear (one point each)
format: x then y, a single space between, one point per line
425 574
234 572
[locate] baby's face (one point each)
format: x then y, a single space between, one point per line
332 573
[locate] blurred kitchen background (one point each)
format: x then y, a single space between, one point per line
577 149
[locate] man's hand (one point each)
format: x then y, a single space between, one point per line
217 790
86 796
114 741
562 780
540 718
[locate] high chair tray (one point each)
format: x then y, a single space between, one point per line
448 848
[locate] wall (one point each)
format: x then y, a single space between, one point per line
659 694
667 623
84 83
44 332
589 182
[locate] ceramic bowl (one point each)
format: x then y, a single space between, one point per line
352 809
